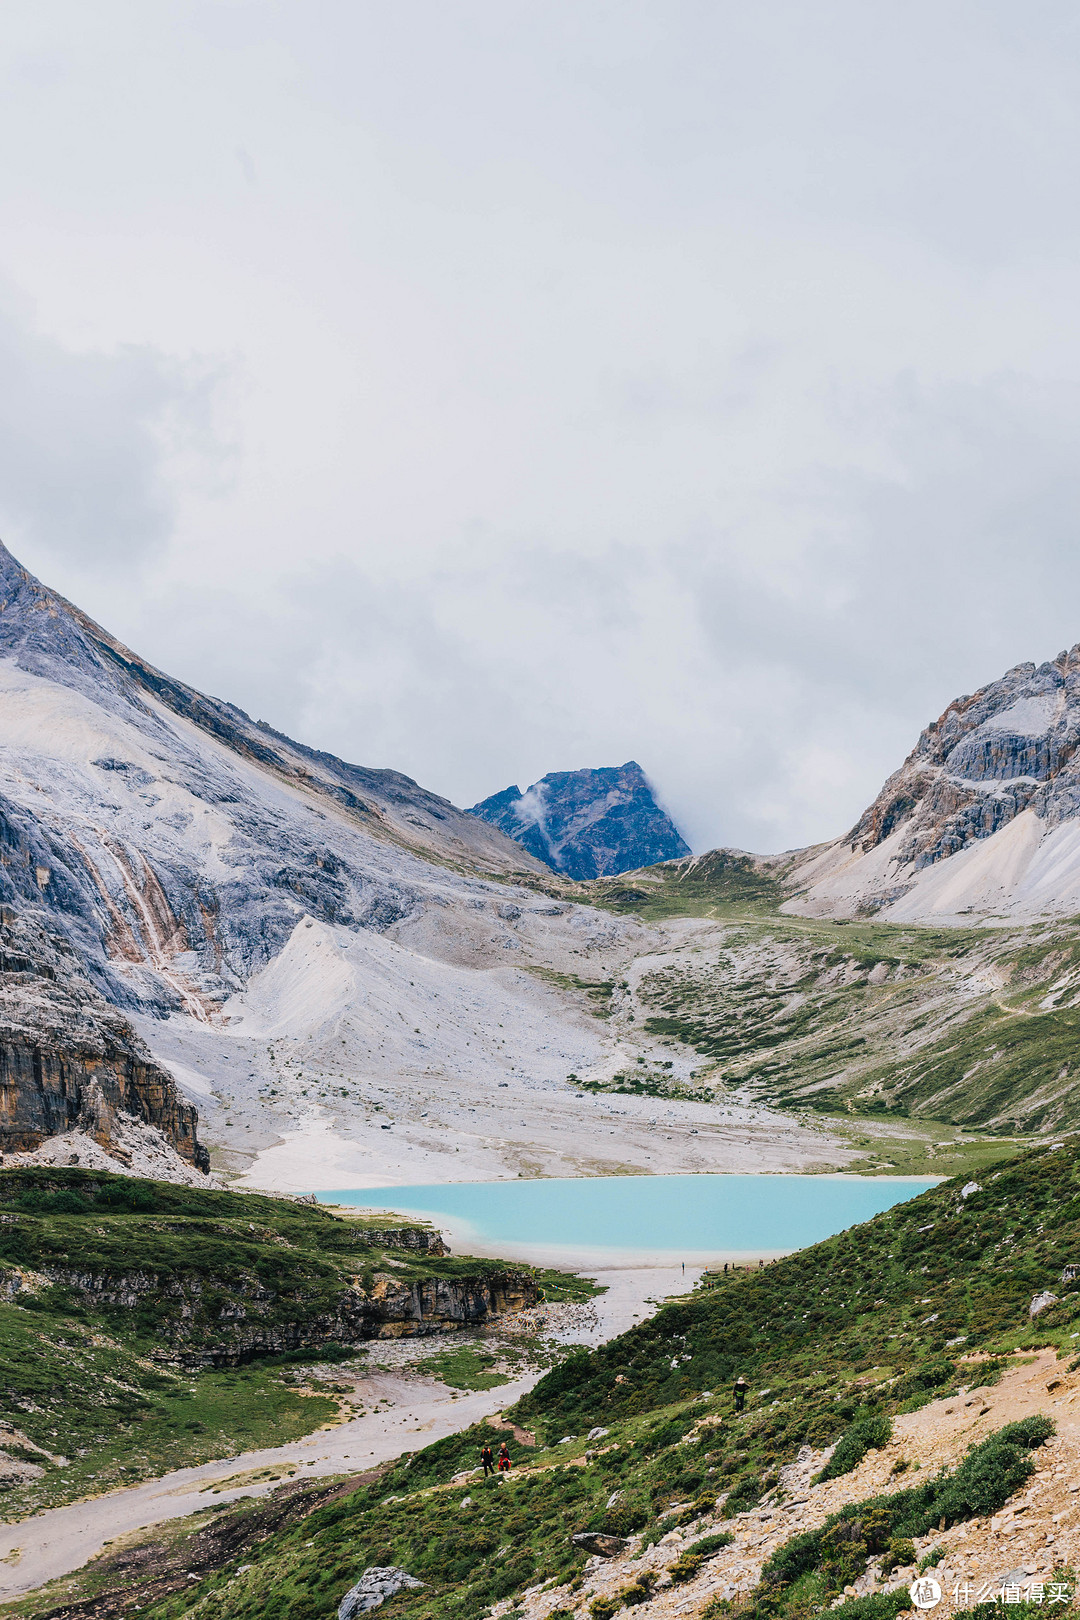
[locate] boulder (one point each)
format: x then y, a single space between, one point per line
591 1541
373 1588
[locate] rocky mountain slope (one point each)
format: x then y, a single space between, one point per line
587 824
72 1067
344 973
981 821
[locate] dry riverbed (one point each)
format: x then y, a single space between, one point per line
388 1405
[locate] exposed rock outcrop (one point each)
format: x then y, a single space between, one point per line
982 818
71 1063
588 824
211 1321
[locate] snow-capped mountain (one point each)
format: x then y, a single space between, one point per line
982 820
588 824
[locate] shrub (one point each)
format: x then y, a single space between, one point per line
629 1513
900 1553
686 1567
712 1544
869 1432
990 1473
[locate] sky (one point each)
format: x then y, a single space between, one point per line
487 389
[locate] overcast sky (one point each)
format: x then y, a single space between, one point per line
485 389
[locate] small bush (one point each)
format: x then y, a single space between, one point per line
686 1567
900 1553
869 1432
704 1504
631 1512
712 1544
990 1474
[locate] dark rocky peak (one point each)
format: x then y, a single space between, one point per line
590 823
992 754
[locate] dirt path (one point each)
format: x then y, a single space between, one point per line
419 1411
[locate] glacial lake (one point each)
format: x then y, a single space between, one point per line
628 1219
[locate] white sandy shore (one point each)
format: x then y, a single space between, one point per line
420 1411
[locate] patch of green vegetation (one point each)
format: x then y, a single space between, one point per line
649 1080
699 886
870 1431
464 1367
567 1287
99 1402
598 992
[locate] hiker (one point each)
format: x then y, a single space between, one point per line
504 1459
740 1390
488 1460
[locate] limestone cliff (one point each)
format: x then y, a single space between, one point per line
71 1063
982 818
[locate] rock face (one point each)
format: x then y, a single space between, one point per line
373 1588
986 759
71 1063
135 780
983 817
230 1320
588 824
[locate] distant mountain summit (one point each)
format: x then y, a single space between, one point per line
588 824
982 820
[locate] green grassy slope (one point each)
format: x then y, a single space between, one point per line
975 1027
872 1322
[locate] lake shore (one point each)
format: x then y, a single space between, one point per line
628 1221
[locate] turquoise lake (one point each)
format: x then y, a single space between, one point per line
693 1217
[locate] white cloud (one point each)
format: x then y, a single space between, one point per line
697 385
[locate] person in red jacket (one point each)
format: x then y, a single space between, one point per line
504 1459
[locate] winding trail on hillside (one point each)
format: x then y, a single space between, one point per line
421 1410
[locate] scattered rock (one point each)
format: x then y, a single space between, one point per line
590 1541
1042 1302
597 1434
373 1588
